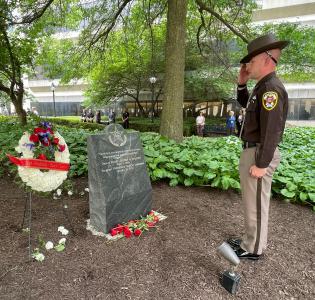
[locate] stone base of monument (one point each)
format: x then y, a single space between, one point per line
108 236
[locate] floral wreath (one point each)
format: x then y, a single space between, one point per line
45 158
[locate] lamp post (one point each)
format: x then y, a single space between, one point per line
152 80
53 87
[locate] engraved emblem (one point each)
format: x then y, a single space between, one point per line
116 135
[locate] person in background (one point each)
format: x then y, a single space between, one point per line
264 122
112 117
239 121
230 123
90 116
200 124
125 119
83 116
98 117
34 111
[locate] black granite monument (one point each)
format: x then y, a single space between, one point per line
120 188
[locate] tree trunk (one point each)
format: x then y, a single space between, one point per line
18 104
140 107
172 113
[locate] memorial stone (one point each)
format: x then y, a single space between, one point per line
120 188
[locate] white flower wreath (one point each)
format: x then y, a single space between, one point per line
35 178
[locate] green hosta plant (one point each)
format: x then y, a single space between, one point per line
214 162
295 177
195 161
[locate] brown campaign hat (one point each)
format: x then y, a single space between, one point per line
262 44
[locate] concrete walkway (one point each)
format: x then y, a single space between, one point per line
307 123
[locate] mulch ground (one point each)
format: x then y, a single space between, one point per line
178 260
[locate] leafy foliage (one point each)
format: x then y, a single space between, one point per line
196 161
24 25
298 59
295 178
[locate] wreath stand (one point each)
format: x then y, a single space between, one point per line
28 213
28 204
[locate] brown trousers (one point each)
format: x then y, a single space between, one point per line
256 198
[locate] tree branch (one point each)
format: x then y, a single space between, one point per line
36 15
5 89
106 32
202 7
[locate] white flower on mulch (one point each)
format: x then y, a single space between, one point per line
59 191
63 230
62 241
61 244
49 245
60 228
38 256
87 190
70 193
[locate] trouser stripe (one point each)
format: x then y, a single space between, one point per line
258 208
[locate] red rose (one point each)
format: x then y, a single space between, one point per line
151 213
119 228
62 148
38 130
34 138
49 130
127 232
42 156
137 232
151 224
46 142
113 232
56 141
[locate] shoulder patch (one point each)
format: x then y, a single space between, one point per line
270 100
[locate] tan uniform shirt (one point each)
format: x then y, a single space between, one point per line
265 116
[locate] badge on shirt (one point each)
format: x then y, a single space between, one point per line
270 100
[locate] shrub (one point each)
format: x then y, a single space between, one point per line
195 161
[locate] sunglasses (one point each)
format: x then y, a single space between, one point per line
270 55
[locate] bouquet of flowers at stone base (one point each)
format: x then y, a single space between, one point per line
137 227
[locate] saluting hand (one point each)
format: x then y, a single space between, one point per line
243 75
257 172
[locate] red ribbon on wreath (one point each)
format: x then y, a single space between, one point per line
39 163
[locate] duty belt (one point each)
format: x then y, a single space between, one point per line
249 145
